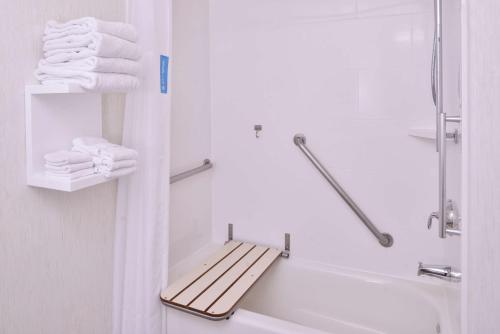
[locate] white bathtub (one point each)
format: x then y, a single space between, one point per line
297 297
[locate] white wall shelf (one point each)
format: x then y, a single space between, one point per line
55 115
42 181
429 133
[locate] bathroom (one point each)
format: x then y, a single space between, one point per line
303 166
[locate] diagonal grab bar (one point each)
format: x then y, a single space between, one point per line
384 239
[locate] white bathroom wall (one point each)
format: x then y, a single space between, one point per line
190 215
353 76
481 300
56 249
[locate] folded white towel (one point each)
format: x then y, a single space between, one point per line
88 141
101 82
96 44
118 153
94 64
118 172
90 145
63 157
72 41
87 25
70 168
108 165
71 176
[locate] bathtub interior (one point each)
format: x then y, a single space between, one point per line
346 303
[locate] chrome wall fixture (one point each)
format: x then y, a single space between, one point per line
446 273
207 164
441 121
384 239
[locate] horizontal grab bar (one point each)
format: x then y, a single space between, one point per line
384 239
207 164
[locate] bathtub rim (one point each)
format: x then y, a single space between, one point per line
436 290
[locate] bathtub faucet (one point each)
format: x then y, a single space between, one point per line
439 271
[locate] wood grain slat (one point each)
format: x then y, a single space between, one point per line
213 290
190 278
231 297
205 281
205 300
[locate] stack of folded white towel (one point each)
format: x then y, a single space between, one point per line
68 165
97 55
110 160
91 155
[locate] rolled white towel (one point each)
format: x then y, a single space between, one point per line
116 153
118 172
71 176
69 168
64 157
92 81
108 165
87 25
96 44
94 64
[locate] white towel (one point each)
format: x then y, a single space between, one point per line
94 64
87 25
64 169
96 44
90 145
99 82
119 172
63 157
108 165
71 176
73 41
118 153
88 141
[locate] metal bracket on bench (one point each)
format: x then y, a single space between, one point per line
229 232
285 253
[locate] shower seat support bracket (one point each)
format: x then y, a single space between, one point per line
285 253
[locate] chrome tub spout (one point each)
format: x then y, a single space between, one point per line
439 271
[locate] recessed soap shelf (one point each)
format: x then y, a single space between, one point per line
55 114
430 133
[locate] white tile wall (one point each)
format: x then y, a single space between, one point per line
353 76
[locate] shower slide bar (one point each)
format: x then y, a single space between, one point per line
446 226
384 239
207 164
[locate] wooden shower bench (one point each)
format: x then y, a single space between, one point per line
214 289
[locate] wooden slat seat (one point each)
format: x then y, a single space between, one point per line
214 289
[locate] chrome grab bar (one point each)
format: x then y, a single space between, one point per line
384 239
207 164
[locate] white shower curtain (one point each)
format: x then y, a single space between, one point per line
141 232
